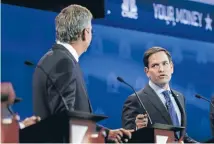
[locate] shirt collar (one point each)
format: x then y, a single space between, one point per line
156 88
70 49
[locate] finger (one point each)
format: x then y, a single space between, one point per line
26 119
118 138
38 118
127 133
120 133
116 141
33 117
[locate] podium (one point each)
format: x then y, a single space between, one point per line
9 126
9 120
9 130
157 133
65 127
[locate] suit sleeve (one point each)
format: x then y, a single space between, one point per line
130 111
64 78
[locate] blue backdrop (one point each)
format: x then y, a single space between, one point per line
115 51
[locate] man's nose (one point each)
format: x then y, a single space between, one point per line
161 69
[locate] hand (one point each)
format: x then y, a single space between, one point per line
30 121
141 121
119 135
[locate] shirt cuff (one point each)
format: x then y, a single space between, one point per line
21 125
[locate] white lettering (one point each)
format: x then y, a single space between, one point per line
155 7
200 16
194 18
176 15
187 17
129 14
129 9
170 15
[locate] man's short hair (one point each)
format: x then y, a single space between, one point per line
152 51
70 23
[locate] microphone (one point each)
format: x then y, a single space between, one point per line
142 105
28 63
201 97
5 97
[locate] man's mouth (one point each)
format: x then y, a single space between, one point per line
162 75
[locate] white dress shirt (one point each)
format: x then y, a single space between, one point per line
159 91
70 49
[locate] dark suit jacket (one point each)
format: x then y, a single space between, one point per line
64 70
155 108
59 65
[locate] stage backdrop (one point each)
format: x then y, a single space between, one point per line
130 28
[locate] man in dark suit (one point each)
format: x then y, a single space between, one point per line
60 63
163 104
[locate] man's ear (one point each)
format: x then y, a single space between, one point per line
172 67
83 35
146 70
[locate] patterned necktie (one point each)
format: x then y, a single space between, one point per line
171 110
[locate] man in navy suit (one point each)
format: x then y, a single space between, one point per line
60 63
163 104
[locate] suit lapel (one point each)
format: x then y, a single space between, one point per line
180 103
157 103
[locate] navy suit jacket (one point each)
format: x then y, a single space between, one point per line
155 108
60 66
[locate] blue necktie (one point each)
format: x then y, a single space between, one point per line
171 109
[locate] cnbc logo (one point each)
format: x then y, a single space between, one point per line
129 9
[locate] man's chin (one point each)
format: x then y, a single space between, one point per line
162 83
